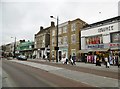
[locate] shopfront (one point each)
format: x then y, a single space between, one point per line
115 43
62 53
101 37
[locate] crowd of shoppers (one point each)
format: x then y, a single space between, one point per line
104 58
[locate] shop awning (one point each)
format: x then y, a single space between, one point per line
83 51
93 50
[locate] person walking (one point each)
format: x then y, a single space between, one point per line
74 59
70 59
106 61
118 60
97 61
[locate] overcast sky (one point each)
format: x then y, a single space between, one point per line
22 18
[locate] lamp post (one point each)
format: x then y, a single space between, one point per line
14 48
56 48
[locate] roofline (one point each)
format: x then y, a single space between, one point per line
102 22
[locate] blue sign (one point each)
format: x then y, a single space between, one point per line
95 46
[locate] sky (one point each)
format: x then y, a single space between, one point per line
23 18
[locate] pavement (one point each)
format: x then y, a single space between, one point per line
86 65
86 78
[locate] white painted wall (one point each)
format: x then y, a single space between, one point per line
106 39
94 31
83 43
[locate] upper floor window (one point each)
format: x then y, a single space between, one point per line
60 31
53 32
53 41
65 40
73 38
94 40
60 40
65 29
73 27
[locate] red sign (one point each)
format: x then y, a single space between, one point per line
114 44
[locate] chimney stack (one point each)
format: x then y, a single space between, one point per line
52 24
41 28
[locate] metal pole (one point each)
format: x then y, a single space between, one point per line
14 47
57 41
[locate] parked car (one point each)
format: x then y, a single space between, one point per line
21 57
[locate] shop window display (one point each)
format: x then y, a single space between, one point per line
94 40
115 37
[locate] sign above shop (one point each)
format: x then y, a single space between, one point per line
114 44
104 29
95 46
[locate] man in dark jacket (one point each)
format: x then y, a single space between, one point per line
74 58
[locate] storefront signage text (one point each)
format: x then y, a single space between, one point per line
114 45
104 29
95 46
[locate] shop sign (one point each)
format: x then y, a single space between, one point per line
95 46
104 29
114 44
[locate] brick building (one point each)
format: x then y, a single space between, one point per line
42 42
68 39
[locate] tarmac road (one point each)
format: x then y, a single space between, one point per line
18 75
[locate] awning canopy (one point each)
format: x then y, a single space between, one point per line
93 50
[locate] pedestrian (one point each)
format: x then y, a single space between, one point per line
85 58
70 59
97 61
66 61
74 58
60 57
118 60
43 56
107 62
100 61
95 58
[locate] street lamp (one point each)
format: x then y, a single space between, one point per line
14 48
56 48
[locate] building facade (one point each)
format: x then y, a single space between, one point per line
42 42
102 36
26 48
68 39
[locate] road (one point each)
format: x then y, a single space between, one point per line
18 75
36 73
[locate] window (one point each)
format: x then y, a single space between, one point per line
73 38
59 30
53 41
94 40
73 27
65 29
115 37
65 39
53 32
60 41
